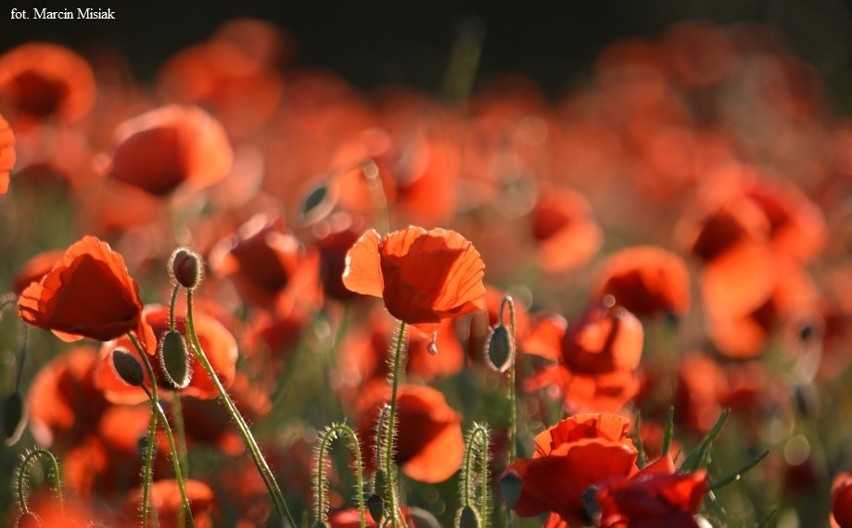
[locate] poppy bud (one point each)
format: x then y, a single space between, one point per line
468 517
127 368
590 504
174 360
510 488
14 417
500 349
376 506
186 268
317 204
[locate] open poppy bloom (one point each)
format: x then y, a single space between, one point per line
563 227
88 293
7 154
423 276
574 454
217 342
430 444
646 280
655 496
40 79
171 146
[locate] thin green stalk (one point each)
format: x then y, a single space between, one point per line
242 426
333 432
476 464
513 409
180 434
390 432
148 457
172 303
23 472
173 454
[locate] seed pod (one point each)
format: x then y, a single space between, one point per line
127 367
174 359
186 268
500 349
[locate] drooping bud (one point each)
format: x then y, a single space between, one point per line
317 203
127 367
174 359
500 349
186 268
14 417
376 507
468 517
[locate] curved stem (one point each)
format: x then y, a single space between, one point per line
390 431
158 410
23 472
476 450
242 426
333 432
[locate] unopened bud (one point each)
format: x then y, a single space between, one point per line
186 268
127 368
376 507
500 349
468 517
174 360
14 418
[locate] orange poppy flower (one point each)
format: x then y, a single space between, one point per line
655 496
7 154
217 342
268 266
166 499
646 280
88 293
563 227
422 276
41 79
841 501
574 454
171 146
430 444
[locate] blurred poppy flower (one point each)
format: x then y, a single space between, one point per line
39 79
351 518
592 362
565 232
646 280
268 266
217 342
166 500
333 237
430 445
422 276
841 501
35 268
699 387
88 293
171 146
578 452
7 154
655 496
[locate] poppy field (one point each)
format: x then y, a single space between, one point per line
246 293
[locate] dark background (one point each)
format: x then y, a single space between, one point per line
373 43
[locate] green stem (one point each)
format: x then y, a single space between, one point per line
242 426
476 460
180 433
23 472
148 458
157 410
172 303
390 432
513 406
333 432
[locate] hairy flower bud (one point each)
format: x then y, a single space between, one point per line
174 359
468 517
127 367
186 268
500 349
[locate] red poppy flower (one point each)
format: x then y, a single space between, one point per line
655 496
430 444
646 280
574 454
88 293
423 276
7 154
269 266
593 361
563 227
169 147
217 342
40 80
841 501
166 500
